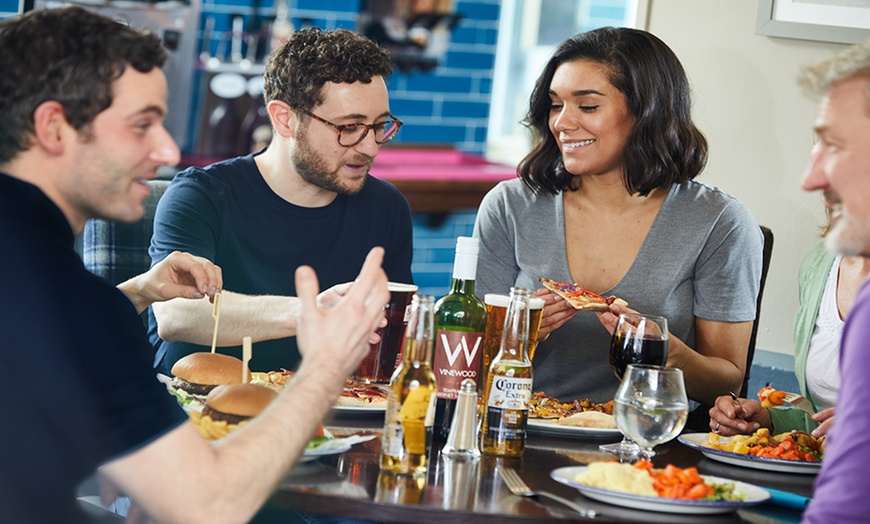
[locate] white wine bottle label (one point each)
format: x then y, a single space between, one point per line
430 413
393 441
510 393
458 356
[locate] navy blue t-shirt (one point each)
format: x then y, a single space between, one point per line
228 214
76 384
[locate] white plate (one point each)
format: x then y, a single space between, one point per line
753 495
334 446
322 451
697 441
361 410
551 427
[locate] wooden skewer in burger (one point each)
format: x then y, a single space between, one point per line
230 399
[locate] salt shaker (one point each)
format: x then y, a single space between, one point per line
462 440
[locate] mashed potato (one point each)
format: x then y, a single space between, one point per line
614 476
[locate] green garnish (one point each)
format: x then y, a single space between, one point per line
316 442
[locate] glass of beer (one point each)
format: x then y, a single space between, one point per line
496 307
377 367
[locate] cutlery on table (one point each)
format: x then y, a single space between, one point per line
799 402
518 486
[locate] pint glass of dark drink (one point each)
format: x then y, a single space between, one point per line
377 367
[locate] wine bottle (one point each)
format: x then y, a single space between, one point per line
460 320
508 388
407 436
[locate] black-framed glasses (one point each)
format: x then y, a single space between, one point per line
350 135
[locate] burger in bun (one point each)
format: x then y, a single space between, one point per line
199 373
238 402
228 407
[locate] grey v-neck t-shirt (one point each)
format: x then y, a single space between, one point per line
701 259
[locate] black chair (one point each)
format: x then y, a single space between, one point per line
765 265
699 418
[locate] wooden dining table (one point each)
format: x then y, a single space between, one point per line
351 485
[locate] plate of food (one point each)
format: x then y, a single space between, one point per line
327 444
631 487
578 418
357 398
552 427
734 454
323 449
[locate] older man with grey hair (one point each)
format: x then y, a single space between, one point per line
841 170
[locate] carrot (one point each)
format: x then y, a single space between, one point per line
770 397
777 398
676 483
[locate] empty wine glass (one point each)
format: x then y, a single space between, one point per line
637 339
651 406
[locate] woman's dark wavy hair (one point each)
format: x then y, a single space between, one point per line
70 55
297 71
664 146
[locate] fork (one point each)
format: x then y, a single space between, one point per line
519 487
799 402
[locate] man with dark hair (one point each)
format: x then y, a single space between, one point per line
839 167
82 102
305 199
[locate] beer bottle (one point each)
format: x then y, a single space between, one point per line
508 388
410 413
460 320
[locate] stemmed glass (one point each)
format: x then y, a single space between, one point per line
637 339
651 406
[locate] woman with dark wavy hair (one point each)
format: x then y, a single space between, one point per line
607 199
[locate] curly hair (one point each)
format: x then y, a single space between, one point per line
70 55
297 71
664 146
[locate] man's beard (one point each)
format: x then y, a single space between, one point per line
848 237
314 170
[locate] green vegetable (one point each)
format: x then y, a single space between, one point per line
316 442
725 492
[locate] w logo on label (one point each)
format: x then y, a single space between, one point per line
461 347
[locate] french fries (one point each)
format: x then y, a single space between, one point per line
212 429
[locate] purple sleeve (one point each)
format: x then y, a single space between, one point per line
840 493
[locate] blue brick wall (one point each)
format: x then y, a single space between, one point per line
9 8
434 250
449 105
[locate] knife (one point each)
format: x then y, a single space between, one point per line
787 500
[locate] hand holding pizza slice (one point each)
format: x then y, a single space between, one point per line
581 298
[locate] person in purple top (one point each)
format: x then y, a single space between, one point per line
840 168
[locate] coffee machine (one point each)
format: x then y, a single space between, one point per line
175 22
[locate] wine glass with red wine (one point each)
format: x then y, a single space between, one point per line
637 339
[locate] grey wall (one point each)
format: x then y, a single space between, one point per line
759 125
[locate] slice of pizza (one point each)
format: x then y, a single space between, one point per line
358 394
581 298
355 394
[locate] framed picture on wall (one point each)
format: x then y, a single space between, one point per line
839 21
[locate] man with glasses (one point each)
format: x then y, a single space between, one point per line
307 199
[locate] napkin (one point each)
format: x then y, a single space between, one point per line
788 500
